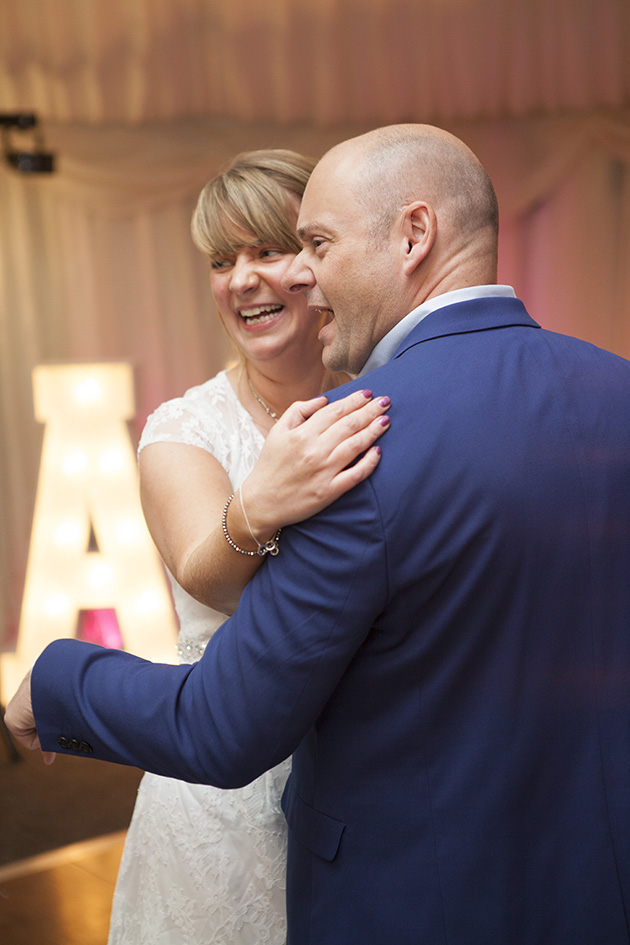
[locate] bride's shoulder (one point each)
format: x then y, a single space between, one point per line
200 414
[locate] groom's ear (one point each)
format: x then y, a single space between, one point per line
419 229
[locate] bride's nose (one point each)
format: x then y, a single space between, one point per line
244 275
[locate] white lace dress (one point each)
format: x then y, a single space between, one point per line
203 865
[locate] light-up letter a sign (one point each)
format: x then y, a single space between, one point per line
90 548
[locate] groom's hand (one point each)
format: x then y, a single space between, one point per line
20 720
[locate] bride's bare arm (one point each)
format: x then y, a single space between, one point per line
301 470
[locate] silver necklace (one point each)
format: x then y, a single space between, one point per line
256 396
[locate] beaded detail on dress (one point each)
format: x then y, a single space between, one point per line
201 865
190 652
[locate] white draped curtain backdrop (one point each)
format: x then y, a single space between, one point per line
144 100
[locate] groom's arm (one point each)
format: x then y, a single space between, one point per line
265 676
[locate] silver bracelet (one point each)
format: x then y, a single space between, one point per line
269 548
249 527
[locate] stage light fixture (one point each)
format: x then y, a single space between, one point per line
34 161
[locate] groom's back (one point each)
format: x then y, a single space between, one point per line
468 781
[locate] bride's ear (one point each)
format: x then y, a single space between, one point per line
419 229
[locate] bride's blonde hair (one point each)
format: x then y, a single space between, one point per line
251 198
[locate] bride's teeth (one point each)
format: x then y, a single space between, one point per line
260 313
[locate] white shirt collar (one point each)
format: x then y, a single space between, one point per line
388 345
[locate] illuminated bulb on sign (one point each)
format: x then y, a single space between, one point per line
56 605
100 575
75 463
88 390
67 534
147 603
110 462
128 532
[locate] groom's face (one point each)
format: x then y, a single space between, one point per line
346 270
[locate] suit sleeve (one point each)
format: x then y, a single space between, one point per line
264 679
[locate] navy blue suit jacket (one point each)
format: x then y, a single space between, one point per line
445 651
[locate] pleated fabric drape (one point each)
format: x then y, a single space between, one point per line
330 62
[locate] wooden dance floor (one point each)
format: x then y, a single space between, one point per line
60 898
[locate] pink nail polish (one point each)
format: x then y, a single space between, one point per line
368 394
384 401
384 421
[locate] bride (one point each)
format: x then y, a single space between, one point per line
203 865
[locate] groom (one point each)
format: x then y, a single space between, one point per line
445 650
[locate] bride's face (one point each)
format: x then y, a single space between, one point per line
263 320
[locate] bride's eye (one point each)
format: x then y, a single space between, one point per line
221 262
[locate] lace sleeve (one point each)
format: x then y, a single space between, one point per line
202 417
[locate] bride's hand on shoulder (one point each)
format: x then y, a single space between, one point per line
315 453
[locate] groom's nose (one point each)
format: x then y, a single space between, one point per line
298 277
